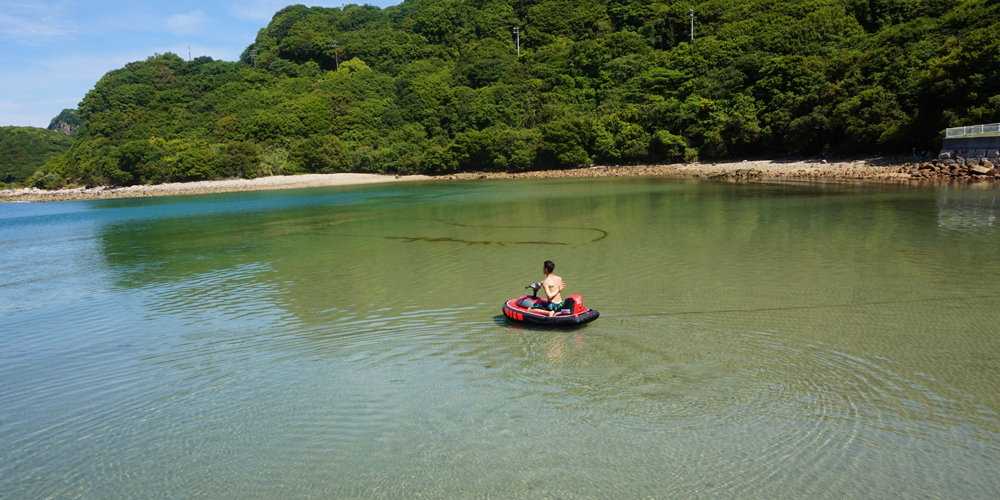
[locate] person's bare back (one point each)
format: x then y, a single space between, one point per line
552 285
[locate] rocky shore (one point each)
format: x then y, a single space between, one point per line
881 169
956 169
873 169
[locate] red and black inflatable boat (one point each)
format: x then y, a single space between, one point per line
572 312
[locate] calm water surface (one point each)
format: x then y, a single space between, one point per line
754 342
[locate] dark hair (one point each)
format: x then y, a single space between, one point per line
550 266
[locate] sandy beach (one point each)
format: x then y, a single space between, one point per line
887 169
204 187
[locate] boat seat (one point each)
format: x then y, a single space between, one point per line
567 307
525 303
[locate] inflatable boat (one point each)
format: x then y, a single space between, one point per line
572 312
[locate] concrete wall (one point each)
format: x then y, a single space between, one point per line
971 143
970 147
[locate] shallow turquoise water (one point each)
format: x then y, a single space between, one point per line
755 341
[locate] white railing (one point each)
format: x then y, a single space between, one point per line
992 129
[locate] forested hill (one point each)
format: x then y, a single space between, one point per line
24 149
437 86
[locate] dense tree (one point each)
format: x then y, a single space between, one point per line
437 86
24 149
66 122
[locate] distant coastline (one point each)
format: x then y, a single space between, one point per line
877 169
202 187
880 169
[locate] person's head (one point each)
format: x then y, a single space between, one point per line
549 266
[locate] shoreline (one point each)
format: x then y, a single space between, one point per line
757 170
271 183
877 169
883 170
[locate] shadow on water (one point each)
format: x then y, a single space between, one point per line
502 321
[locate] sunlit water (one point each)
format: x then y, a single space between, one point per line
754 342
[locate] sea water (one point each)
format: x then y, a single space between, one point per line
755 341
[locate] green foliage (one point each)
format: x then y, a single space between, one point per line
438 160
43 180
23 150
672 148
242 159
615 140
437 86
319 154
66 122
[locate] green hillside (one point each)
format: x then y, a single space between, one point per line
67 122
24 149
437 86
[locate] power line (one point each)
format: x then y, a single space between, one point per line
517 33
692 25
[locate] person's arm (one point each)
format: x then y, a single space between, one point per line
548 291
552 290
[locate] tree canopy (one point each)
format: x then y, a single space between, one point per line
437 86
66 122
24 149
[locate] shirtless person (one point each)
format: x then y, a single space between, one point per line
552 285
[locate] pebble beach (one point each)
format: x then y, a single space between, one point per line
883 169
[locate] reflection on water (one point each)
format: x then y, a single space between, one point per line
967 213
754 342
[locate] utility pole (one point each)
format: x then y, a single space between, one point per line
692 26
189 53
336 53
253 55
517 33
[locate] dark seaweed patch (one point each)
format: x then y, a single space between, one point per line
411 239
604 234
